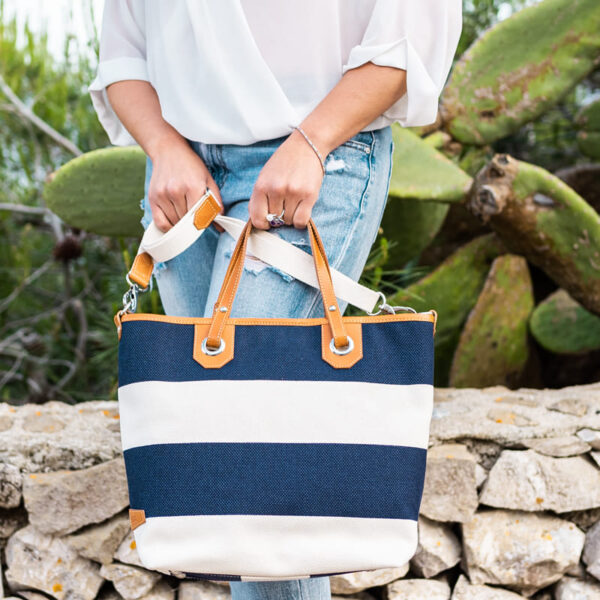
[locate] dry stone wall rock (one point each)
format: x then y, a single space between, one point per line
521 550
526 480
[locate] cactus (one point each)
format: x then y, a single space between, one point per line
452 289
561 325
583 178
588 138
493 348
100 191
420 172
540 217
521 67
412 225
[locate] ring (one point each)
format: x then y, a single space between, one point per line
276 220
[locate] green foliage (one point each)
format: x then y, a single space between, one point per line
59 288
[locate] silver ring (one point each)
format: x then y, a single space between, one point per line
213 351
276 220
345 350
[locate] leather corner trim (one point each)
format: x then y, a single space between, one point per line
345 361
137 516
218 360
205 214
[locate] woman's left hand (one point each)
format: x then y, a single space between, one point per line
290 181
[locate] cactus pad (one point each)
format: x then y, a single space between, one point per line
100 191
420 172
540 217
452 289
519 68
588 138
493 348
561 325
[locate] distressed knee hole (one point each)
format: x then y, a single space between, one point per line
255 265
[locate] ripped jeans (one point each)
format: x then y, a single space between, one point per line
347 214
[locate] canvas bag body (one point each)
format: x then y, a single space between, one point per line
277 457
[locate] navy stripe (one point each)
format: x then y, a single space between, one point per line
310 479
213 576
218 577
397 352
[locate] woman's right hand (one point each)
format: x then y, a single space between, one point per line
179 178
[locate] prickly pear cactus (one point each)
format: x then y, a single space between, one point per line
420 172
540 217
563 326
516 70
452 289
493 348
422 185
100 191
588 138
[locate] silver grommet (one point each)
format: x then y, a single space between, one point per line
345 350
223 309
213 351
332 307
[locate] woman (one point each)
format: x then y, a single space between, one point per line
283 110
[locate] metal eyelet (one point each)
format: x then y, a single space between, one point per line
343 351
213 351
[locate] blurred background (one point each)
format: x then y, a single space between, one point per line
492 218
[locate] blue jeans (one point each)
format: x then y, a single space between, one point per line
347 215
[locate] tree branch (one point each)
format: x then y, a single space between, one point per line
23 110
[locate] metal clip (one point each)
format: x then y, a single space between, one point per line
130 300
385 307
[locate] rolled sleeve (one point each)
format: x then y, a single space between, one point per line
420 37
122 57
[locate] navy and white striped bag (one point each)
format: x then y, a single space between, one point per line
264 449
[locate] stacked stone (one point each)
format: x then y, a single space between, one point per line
510 509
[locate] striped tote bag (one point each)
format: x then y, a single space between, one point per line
264 449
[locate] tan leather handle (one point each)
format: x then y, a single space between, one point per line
222 308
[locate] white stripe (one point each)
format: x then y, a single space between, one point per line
162 412
277 546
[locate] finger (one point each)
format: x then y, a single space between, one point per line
290 206
257 209
167 208
161 220
302 215
176 194
275 202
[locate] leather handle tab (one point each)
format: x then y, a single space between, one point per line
223 305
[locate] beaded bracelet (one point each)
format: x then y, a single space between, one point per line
312 146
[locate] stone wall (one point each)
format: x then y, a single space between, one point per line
511 507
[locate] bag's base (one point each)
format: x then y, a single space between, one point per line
221 577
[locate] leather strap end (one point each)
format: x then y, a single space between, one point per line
141 269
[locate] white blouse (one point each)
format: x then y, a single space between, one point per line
241 71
